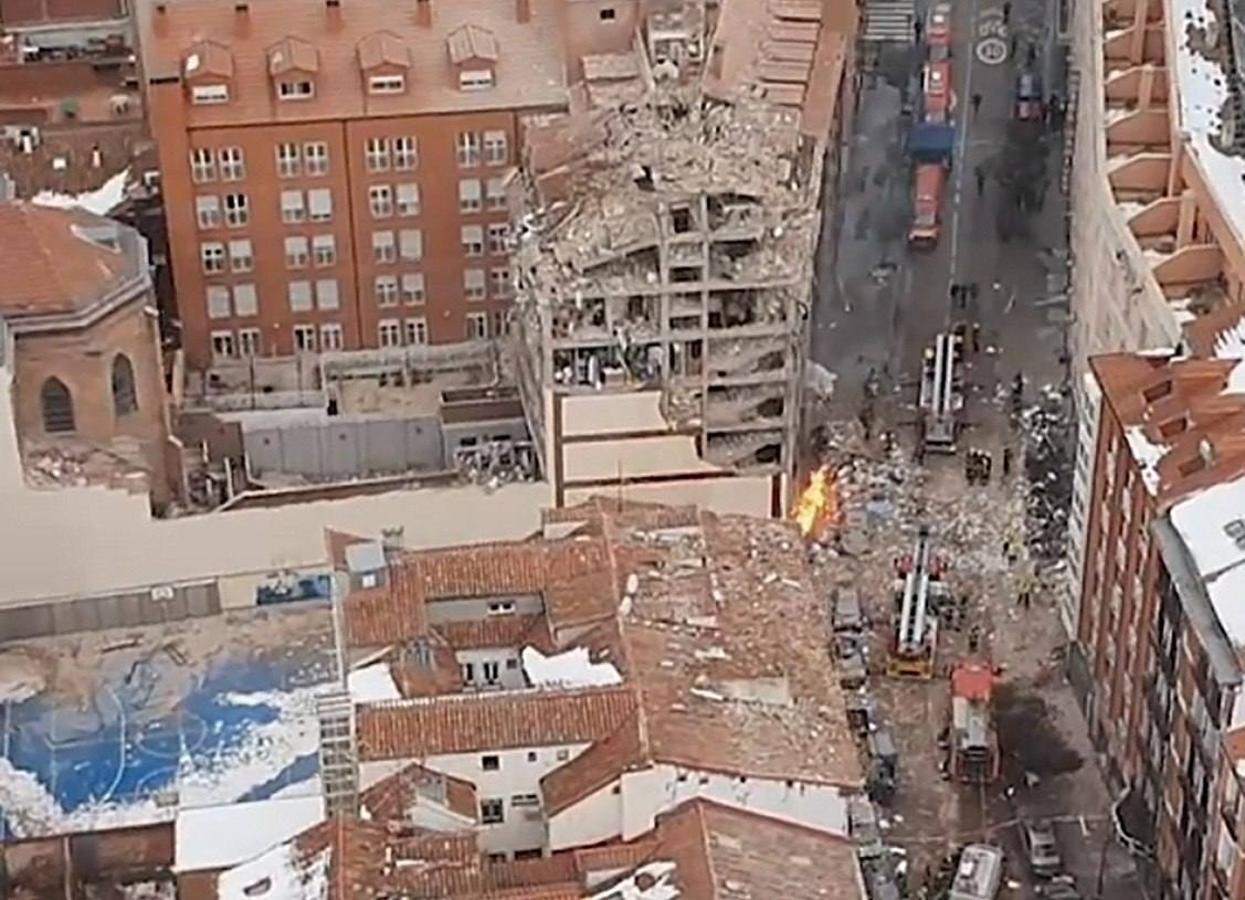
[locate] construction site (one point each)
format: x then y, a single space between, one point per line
667 246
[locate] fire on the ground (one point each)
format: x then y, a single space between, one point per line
816 510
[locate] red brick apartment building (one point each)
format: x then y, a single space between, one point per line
1162 603
335 171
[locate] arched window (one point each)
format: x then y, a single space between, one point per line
57 407
124 400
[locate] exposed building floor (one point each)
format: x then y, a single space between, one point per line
122 726
883 500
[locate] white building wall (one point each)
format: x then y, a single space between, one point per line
648 793
480 664
518 774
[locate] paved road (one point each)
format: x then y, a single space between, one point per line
880 304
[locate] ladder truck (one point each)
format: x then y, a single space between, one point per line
941 399
919 590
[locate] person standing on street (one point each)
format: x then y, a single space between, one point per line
976 100
1007 11
980 174
917 29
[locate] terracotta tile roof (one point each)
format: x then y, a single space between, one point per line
495 631
596 767
336 543
467 723
723 852
291 54
49 264
530 67
442 674
208 58
471 42
390 799
384 614
383 48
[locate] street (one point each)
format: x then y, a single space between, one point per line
879 305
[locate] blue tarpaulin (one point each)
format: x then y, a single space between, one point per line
931 142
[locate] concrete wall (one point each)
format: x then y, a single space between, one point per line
509 668
472 609
113 611
347 446
748 495
1082 494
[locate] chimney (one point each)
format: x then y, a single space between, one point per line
423 13
523 11
242 8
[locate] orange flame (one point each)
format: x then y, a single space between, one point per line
817 507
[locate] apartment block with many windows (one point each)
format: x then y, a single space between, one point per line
335 174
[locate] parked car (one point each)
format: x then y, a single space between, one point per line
1041 848
1029 97
1061 887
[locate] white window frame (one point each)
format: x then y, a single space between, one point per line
204 94
306 339
297 252
296 90
476 326
328 294
384 247
249 343
405 152
470 195
224 345
471 240
331 336
385 289
241 255
293 207
389 333
407 202
498 233
245 301
207 212
496 147
237 212
415 331
411 244
475 79
212 257
319 205
315 158
475 284
495 194
219 302
324 250
380 201
386 84
413 291
202 165
300 296
467 149
289 156
376 154
232 163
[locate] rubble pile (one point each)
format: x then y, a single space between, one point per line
1049 447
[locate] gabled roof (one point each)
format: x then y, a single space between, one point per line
383 48
50 263
471 42
500 721
292 54
207 59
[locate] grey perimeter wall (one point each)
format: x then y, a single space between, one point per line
114 611
360 447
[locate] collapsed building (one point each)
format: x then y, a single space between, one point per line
663 263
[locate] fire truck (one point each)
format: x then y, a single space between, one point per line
931 141
919 590
941 395
974 749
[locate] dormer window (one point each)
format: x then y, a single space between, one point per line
293 65
207 70
296 90
386 84
209 93
473 53
384 61
475 79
